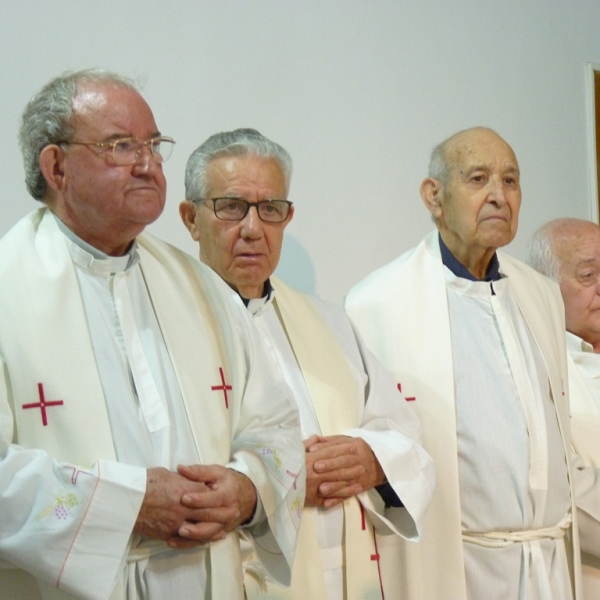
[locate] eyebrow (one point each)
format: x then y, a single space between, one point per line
483 167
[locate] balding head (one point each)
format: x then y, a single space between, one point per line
568 251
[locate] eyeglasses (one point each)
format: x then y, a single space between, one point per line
126 151
236 209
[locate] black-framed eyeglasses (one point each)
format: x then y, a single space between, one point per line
236 209
127 151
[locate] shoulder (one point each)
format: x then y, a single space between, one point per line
24 230
522 275
397 274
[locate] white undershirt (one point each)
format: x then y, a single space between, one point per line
512 468
145 406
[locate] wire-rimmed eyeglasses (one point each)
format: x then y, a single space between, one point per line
236 209
127 151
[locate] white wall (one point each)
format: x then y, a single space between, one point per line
358 92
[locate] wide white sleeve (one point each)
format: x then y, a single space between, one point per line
65 524
267 447
392 430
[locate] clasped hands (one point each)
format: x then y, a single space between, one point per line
339 467
196 505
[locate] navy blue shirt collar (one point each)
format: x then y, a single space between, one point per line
452 263
267 290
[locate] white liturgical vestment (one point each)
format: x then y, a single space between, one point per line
584 395
488 373
370 407
111 366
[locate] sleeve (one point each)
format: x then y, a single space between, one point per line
65 524
267 448
393 432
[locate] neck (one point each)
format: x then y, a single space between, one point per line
475 259
115 244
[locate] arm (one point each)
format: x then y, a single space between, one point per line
267 453
391 430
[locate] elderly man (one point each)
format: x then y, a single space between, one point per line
568 252
122 359
365 469
476 338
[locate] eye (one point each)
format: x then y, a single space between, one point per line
234 206
125 145
478 178
588 277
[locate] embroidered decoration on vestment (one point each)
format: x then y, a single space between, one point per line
61 507
411 399
271 454
76 473
294 477
297 506
223 386
42 404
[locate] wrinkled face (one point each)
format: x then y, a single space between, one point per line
107 204
479 207
580 284
244 253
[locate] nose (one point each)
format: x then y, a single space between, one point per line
251 225
145 160
497 194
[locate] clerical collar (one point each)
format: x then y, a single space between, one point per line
266 295
93 259
454 265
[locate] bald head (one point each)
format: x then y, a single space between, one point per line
450 153
474 195
568 251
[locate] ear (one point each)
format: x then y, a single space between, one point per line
431 194
51 161
187 212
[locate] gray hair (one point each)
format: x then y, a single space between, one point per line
47 119
241 142
541 254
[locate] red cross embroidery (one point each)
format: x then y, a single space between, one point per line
294 475
376 556
223 386
411 399
42 404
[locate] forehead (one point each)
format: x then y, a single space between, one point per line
580 247
112 110
240 174
481 150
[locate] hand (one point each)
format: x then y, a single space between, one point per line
339 467
229 501
162 514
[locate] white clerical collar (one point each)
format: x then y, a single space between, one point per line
93 260
577 344
583 356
